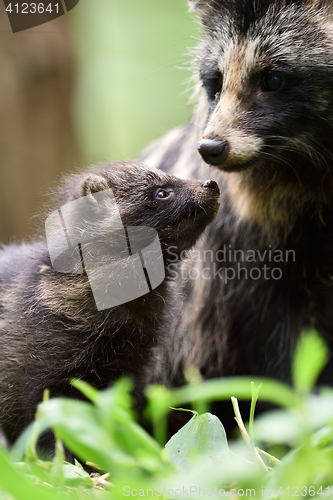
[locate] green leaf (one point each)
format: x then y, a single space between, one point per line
75 475
118 444
87 390
318 409
158 398
117 417
202 437
116 403
78 425
19 487
279 426
310 357
271 391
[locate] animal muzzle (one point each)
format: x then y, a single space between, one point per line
211 187
213 151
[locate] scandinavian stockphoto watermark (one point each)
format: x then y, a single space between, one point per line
122 263
186 492
25 15
227 264
201 492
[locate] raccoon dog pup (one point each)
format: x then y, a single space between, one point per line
264 121
50 328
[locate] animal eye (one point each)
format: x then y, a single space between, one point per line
161 193
272 83
213 84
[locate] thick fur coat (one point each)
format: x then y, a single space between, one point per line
264 271
50 328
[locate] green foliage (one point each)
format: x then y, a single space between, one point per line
310 358
195 460
203 436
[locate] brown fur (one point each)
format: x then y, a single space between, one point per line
50 329
276 191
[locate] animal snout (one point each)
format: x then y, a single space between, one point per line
213 151
212 187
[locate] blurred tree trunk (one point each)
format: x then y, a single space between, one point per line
37 141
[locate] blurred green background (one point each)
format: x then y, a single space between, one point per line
131 88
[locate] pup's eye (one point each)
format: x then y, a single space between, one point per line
272 83
161 193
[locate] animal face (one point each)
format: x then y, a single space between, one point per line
179 210
267 71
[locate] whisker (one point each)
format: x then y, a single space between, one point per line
280 160
301 147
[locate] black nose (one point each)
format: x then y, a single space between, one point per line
212 186
213 152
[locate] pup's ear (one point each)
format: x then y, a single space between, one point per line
92 183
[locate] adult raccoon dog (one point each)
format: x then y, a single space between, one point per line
265 123
51 326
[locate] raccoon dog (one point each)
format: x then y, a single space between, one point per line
264 121
50 326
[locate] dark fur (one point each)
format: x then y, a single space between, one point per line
50 329
277 185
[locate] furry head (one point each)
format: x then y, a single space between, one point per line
266 67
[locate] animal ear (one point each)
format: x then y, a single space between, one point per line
200 5
195 4
92 183
321 4
329 5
